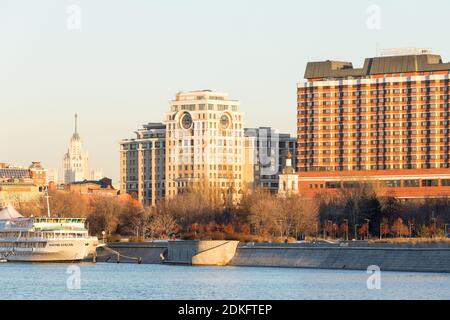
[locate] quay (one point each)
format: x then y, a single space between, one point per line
350 255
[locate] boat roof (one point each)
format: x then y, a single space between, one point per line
9 213
58 220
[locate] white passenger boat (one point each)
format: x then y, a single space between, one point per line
43 239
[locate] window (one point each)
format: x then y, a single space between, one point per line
411 183
430 183
332 185
391 183
445 182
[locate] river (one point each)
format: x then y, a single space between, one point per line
133 281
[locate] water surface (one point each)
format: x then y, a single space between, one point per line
133 281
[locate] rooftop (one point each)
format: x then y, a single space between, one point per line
378 65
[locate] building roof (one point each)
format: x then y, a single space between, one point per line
377 65
104 183
14 173
9 213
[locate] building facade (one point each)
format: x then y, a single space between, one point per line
76 159
204 143
143 164
270 149
387 124
102 187
288 178
18 184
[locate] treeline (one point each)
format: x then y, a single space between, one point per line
361 213
204 214
261 216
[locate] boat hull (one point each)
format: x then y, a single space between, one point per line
55 251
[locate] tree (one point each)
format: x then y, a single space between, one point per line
363 230
160 225
399 229
104 215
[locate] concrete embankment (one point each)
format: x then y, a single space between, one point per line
352 255
201 253
424 258
148 253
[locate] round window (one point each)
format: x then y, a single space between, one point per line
186 121
225 121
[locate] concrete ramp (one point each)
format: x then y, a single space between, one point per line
201 253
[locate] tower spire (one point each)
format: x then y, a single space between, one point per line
76 123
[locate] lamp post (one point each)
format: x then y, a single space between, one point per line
381 230
410 229
317 230
434 220
281 227
356 231
368 234
330 223
346 229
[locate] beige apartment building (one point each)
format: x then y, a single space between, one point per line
142 164
204 143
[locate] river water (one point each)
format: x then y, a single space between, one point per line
133 281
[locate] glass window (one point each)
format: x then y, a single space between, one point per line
430 183
411 183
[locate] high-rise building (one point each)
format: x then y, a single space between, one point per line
204 143
270 151
76 159
387 124
143 164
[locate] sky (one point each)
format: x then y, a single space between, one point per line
119 63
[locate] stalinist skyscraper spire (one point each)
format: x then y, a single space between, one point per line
76 159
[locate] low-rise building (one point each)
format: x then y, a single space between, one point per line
102 187
19 184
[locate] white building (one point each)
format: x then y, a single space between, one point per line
76 160
204 143
288 179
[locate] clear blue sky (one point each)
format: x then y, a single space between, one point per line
130 57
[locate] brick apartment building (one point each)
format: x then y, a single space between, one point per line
386 124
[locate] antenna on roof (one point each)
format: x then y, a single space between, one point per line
76 123
404 51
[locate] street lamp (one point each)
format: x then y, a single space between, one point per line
281 227
330 223
410 229
368 234
317 230
356 231
381 230
346 229
435 226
